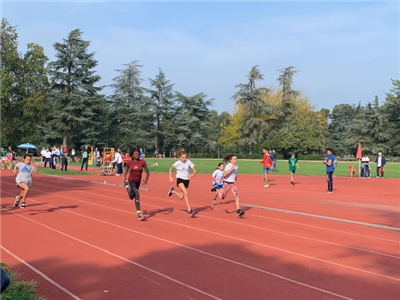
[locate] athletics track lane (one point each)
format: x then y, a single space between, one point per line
219 255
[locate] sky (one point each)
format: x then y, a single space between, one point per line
344 52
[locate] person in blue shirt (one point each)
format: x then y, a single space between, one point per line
329 169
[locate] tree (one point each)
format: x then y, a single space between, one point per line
78 109
249 97
35 90
192 122
391 107
163 101
131 110
10 70
341 118
230 130
285 80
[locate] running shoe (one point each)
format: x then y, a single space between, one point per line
240 213
191 213
22 205
214 189
16 203
170 191
141 217
267 185
213 202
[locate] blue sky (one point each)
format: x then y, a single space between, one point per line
345 52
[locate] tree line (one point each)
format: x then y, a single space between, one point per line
61 102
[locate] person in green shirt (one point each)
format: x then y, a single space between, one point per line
3 157
292 164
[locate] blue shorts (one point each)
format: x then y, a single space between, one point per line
293 171
219 186
266 170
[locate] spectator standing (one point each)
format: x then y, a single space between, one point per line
43 154
329 169
274 159
380 165
118 160
72 155
47 158
64 159
142 155
85 157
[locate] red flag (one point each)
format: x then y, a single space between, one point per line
359 155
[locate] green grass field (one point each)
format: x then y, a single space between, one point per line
49 171
309 168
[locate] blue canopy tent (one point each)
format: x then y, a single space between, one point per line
27 146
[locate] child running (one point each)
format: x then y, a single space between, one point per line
267 164
24 178
218 184
230 179
135 168
292 163
183 176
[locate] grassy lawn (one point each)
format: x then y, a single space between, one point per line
311 168
49 171
19 289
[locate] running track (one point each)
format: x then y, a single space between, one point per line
81 240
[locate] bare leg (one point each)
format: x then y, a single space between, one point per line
24 192
184 195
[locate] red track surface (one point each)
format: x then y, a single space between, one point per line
81 240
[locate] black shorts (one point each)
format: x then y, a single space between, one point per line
184 181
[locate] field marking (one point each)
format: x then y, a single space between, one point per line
243 224
323 217
44 276
176 244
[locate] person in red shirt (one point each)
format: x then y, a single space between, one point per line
126 158
135 169
267 164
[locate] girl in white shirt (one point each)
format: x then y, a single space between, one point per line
217 180
183 176
230 179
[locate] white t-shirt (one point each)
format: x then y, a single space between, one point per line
183 169
118 158
48 154
217 174
365 159
231 177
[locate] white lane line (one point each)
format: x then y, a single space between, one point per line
324 217
266 229
179 245
294 212
271 230
117 256
47 278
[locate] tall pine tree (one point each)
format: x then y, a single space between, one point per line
78 108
